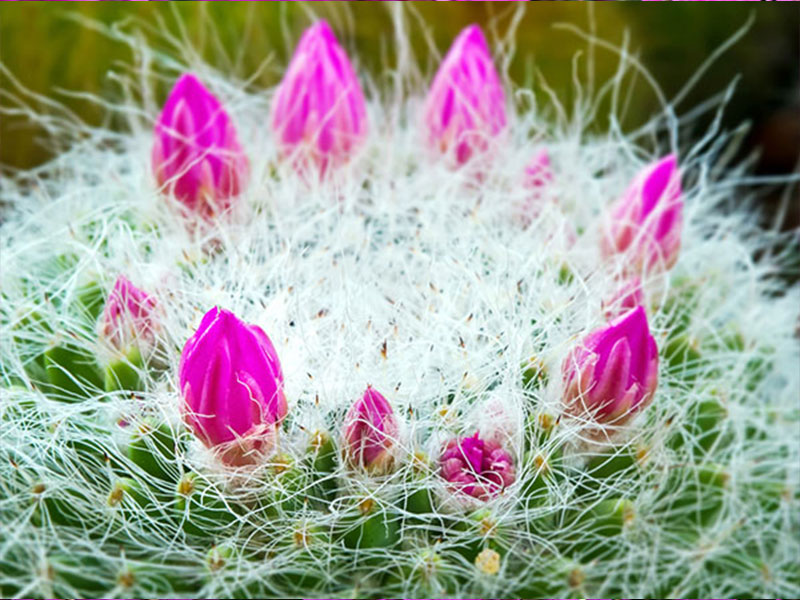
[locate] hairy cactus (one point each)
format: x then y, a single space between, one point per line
581 374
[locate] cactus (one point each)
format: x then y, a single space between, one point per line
596 396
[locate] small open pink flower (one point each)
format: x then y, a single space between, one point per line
196 154
370 432
613 373
129 316
319 115
476 467
646 222
232 387
466 104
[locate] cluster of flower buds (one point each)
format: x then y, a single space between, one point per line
319 119
230 376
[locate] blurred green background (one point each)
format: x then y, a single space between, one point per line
46 48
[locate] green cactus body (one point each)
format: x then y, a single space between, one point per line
129 497
419 498
58 507
201 508
72 372
125 373
89 300
427 575
480 530
289 493
420 501
368 525
683 357
322 453
608 470
534 374
153 448
544 575
593 530
309 546
693 497
79 576
26 334
701 426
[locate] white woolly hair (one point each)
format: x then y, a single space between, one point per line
401 273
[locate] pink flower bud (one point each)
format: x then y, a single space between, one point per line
232 387
476 467
129 316
465 106
614 372
538 175
370 432
319 114
646 222
196 154
628 296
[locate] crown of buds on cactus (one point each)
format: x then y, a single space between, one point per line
570 410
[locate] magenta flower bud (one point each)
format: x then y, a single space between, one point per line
466 105
232 387
628 296
538 175
128 316
370 432
318 113
476 467
646 222
196 154
613 373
